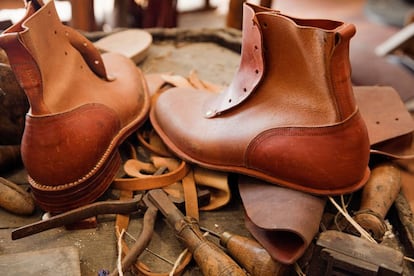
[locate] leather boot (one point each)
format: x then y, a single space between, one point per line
289 115
82 106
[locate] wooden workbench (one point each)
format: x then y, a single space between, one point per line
214 54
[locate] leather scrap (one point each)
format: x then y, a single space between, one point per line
385 115
282 220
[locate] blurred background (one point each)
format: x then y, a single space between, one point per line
381 51
93 15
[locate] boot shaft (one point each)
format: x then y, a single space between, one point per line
47 57
307 67
301 66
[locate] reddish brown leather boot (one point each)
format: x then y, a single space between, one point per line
288 117
82 106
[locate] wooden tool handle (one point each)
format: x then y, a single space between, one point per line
378 195
251 255
211 259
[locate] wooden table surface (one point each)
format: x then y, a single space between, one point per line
97 247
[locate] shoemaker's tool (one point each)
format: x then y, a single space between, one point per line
378 195
338 253
211 260
144 238
15 199
249 254
78 214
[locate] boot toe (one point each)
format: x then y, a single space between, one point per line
176 116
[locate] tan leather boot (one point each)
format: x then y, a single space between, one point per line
82 106
288 117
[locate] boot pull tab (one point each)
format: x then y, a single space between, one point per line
89 53
345 32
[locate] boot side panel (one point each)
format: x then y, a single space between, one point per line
324 160
74 142
337 60
297 71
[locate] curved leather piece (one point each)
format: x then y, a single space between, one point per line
154 182
284 221
300 127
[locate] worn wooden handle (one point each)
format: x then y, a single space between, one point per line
378 195
209 257
251 255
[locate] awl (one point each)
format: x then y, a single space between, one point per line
209 257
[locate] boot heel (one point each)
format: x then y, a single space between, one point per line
72 195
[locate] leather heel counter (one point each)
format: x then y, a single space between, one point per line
318 160
74 141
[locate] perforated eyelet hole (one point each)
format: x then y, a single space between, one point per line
256 71
264 25
245 90
396 119
256 48
229 100
66 53
337 38
55 32
377 122
81 67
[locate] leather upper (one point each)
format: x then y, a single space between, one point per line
289 115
